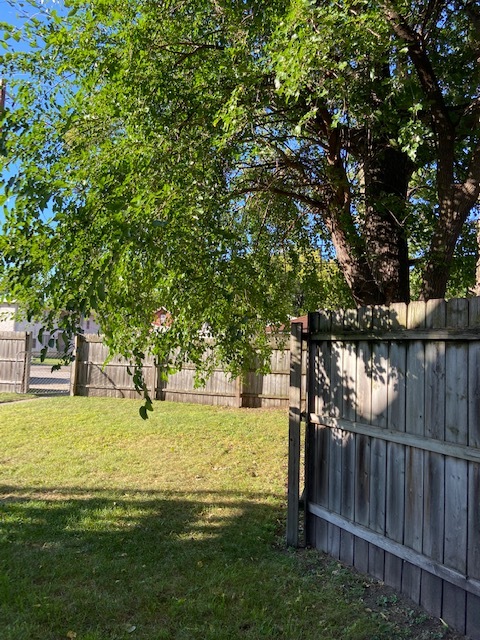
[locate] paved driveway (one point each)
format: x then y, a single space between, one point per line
45 381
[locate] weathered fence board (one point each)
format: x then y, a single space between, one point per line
219 388
94 374
393 445
294 418
15 358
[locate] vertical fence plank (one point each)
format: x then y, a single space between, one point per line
27 361
335 435
472 626
347 508
362 447
75 366
415 403
434 476
294 435
397 371
473 557
456 471
395 511
395 481
310 363
474 376
348 412
322 433
238 392
378 462
473 535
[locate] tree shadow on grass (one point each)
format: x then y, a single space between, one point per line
113 564
107 564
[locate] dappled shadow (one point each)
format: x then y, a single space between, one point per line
357 376
104 561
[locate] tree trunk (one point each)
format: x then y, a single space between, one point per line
387 173
476 289
348 242
452 217
374 258
356 269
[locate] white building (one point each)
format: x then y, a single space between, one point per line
9 322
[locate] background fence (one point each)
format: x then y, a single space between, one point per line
91 377
393 449
15 357
94 374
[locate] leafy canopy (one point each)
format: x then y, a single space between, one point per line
200 156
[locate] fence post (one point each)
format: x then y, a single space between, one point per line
294 420
74 366
153 379
27 362
239 392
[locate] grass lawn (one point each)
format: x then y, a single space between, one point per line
48 360
15 397
113 528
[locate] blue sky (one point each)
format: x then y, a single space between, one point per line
16 13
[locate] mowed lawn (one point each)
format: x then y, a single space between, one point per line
112 528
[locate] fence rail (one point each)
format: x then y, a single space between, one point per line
393 449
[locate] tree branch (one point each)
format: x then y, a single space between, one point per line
469 192
443 125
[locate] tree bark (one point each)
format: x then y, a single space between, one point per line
476 289
387 173
437 270
346 237
355 267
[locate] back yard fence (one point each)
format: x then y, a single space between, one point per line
93 374
15 358
392 448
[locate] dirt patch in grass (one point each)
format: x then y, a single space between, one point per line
406 620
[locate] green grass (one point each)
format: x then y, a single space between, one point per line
113 528
47 361
15 397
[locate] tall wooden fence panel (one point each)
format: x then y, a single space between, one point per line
15 358
91 376
393 449
219 389
95 374
270 389
252 390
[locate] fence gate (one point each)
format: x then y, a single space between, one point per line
392 460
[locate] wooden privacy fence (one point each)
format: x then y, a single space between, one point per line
91 377
95 374
15 358
392 460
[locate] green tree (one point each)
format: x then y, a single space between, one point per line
190 154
